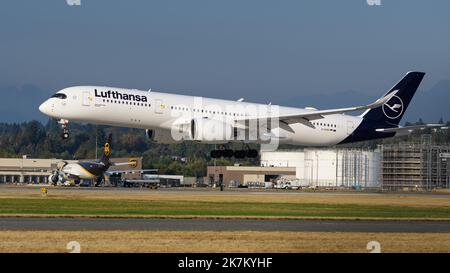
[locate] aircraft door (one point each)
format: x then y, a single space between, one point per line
159 106
350 127
86 100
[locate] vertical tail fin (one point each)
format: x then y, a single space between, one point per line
107 150
392 111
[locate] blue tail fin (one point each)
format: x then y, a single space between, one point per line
392 111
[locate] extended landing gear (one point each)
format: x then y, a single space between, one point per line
65 126
238 154
222 153
98 181
54 178
65 135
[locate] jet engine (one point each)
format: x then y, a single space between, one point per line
202 130
55 177
211 131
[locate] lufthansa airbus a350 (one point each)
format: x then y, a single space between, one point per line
171 118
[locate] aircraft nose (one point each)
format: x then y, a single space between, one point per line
45 108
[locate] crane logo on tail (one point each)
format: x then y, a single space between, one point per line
393 108
133 162
107 149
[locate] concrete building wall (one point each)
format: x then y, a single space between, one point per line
27 170
253 178
320 168
330 167
284 159
29 163
243 174
281 158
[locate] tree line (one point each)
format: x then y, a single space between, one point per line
38 140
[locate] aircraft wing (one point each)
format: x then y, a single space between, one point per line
110 172
132 162
410 128
306 117
123 163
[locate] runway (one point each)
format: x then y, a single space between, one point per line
77 224
7 189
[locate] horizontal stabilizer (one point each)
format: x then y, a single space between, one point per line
411 128
122 163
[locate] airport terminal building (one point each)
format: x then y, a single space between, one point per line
37 170
329 168
27 170
234 176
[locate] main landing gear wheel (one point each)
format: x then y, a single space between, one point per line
65 135
98 181
238 154
252 153
216 154
222 152
227 153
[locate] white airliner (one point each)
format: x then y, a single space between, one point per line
170 118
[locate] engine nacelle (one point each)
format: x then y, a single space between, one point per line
162 136
211 131
202 129
55 177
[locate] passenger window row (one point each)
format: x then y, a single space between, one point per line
127 103
324 124
208 111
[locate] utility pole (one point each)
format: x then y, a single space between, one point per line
215 168
96 141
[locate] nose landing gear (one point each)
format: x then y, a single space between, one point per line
65 126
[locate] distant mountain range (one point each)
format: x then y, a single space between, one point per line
21 104
431 105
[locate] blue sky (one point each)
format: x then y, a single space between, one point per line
263 50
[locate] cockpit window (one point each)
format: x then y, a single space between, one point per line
60 96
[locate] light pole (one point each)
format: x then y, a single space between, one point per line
96 145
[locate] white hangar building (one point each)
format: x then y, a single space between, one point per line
330 167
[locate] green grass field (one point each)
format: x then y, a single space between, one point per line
180 208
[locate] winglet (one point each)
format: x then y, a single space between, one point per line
379 102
